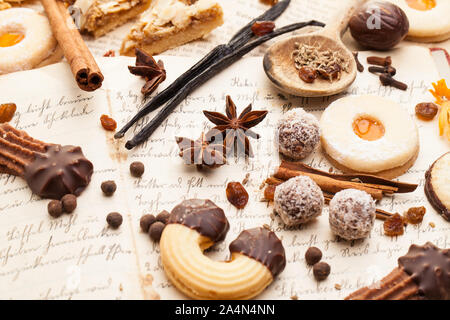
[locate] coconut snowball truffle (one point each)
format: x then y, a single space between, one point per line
298 134
298 200
352 214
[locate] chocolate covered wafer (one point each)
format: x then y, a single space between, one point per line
51 170
422 274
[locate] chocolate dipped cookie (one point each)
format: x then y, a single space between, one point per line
50 170
437 185
257 255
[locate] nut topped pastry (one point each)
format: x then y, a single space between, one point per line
101 16
171 23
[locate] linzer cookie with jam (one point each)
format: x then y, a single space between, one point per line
437 185
171 23
422 274
101 16
257 255
50 170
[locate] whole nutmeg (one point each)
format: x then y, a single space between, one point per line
379 25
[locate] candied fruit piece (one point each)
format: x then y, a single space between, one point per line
260 28
108 123
415 215
236 194
7 111
394 225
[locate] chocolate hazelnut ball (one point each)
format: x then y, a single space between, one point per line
298 200
379 25
352 214
298 134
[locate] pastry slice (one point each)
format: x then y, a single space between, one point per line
98 17
170 23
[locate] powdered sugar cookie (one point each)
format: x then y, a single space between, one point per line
428 19
26 40
369 134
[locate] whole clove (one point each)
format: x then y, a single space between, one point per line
390 70
387 80
380 61
359 66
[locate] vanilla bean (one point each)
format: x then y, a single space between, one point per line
210 71
239 39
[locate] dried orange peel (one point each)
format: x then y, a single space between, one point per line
442 94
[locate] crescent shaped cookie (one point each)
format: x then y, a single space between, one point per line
437 185
26 41
369 134
428 19
257 255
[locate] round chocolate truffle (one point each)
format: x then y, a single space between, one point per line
298 134
298 200
352 214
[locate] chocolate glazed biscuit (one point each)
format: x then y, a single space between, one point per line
422 274
50 170
437 184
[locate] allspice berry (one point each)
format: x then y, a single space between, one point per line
137 169
55 208
146 221
321 270
108 187
114 220
313 255
163 216
156 230
69 203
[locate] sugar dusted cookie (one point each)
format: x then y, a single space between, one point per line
369 134
428 19
26 40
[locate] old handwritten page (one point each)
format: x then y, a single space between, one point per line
77 256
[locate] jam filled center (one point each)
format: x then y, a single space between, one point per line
368 128
10 39
423 5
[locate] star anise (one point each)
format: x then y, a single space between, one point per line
153 72
201 152
236 130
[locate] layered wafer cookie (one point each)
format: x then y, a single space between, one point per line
423 273
51 170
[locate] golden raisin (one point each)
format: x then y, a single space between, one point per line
394 225
415 215
108 123
236 194
7 111
260 28
269 192
307 74
426 110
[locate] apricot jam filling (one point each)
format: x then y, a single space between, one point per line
368 128
10 39
422 5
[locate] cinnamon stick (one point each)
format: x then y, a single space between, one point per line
84 68
329 184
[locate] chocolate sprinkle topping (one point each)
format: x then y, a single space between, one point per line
429 268
262 245
61 170
204 216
